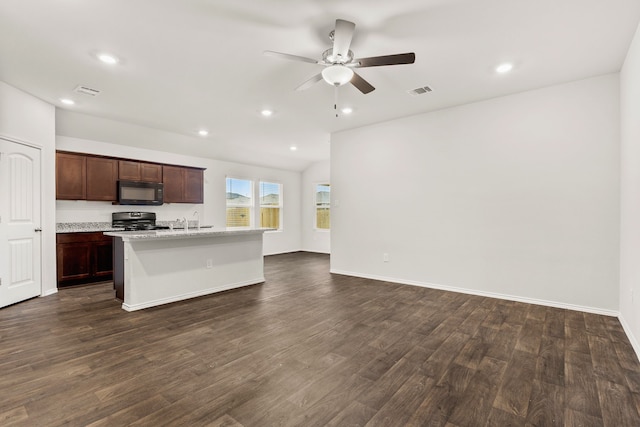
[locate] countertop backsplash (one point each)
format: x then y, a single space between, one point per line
90 212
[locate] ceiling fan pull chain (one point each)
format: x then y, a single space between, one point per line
335 100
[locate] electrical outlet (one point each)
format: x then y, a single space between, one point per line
385 257
209 263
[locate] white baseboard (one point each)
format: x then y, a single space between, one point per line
162 301
49 292
296 251
555 304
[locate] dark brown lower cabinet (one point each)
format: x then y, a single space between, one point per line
83 258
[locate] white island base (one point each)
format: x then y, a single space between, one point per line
159 267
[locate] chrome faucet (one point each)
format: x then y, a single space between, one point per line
186 223
197 215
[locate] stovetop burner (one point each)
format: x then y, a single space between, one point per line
138 227
134 221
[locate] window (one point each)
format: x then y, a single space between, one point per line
270 204
323 205
239 202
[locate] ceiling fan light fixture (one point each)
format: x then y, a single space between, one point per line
337 75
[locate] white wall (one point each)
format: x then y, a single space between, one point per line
27 119
212 212
314 240
630 194
516 197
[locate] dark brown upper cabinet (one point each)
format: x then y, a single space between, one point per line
194 185
132 170
182 184
71 176
89 177
102 179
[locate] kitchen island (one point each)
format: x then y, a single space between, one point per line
162 266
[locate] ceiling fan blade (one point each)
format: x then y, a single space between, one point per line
361 84
313 80
289 57
376 61
342 36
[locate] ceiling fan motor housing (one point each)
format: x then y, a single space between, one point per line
329 58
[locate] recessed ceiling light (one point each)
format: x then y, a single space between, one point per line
266 112
203 132
347 110
67 101
107 58
293 148
504 68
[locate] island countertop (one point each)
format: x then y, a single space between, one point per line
183 234
155 267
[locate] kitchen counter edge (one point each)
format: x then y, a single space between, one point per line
84 227
181 234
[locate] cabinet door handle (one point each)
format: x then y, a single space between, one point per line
38 230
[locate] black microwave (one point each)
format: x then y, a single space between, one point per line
140 193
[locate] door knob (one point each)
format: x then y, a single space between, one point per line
38 229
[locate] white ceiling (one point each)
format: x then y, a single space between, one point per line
191 64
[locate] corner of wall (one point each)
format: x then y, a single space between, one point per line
629 283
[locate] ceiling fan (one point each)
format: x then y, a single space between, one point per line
339 61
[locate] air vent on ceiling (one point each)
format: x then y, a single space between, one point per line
420 90
86 90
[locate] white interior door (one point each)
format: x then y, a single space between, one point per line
20 268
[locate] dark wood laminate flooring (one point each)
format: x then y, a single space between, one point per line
308 348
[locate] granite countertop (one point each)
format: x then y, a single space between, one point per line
181 234
84 227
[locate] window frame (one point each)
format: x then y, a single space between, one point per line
251 205
315 207
280 204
